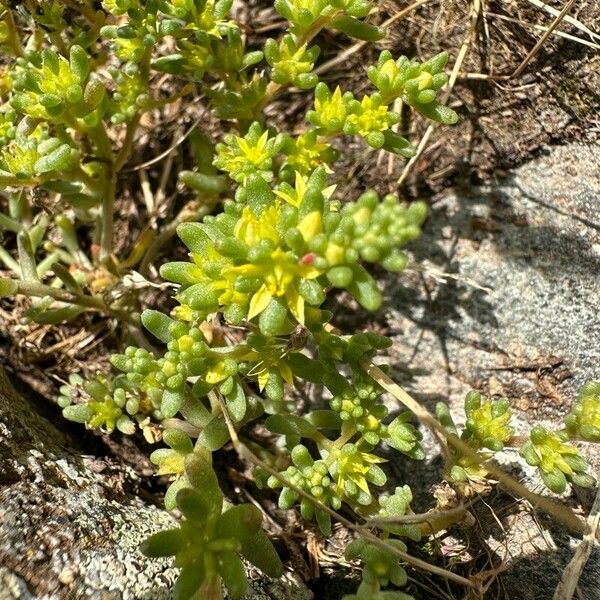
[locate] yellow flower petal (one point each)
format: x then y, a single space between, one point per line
260 301
263 379
295 303
216 374
310 225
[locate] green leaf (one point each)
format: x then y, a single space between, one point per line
55 316
202 477
158 324
8 287
231 569
364 289
208 184
554 480
323 521
290 425
273 320
79 413
58 160
193 236
236 402
195 505
258 193
398 145
325 419
65 276
171 402
178 440
259 550
189 582
79 62
215 435
239 522
438 112
306 368
357 29
163 543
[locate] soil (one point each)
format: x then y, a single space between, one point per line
542 118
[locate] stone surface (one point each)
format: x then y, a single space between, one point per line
71 525
532 241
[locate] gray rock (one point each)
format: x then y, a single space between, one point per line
532 240
71 525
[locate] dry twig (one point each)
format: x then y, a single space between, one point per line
568 582
563 13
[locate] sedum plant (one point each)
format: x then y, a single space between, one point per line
269 240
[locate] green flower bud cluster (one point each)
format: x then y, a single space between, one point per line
49 87
361 409
397 505
487 422
248 155
343 15
416 83
131 41
106 404
206 16
119 7
292 64
302 14
164 380
379 228
29 158
130 94
380 569
337 112
558 462
312 477
349 349
212 539
486 428
331 110
583 422
370 118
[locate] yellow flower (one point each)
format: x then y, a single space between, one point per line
255 154
354 466
371 117
251 229
333 108
295 196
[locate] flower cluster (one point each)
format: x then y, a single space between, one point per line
558 462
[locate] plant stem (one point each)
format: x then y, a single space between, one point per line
244 452
123 153
108 208
561 513
96 303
